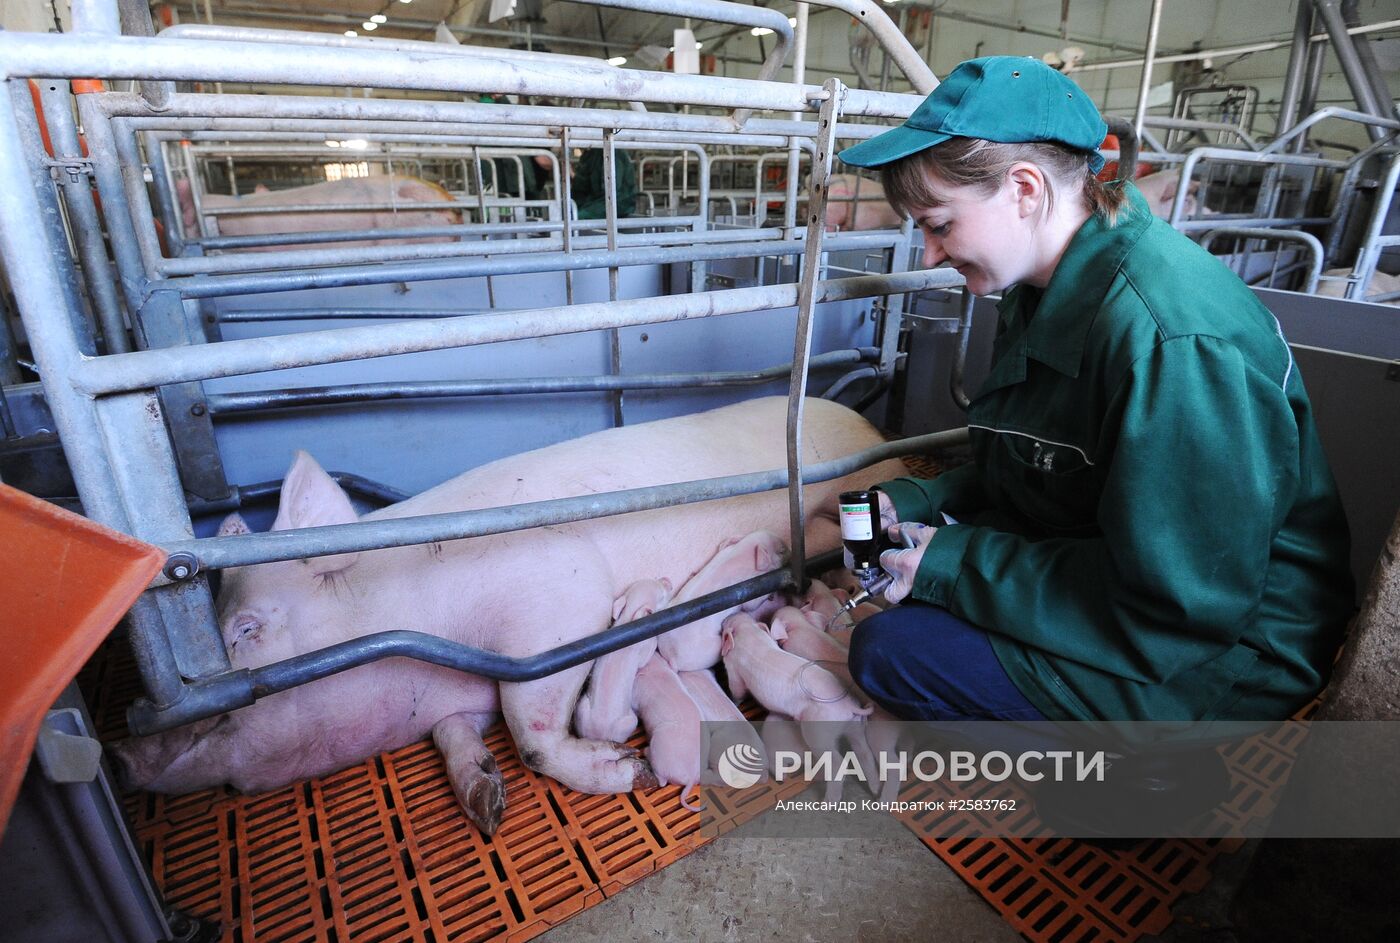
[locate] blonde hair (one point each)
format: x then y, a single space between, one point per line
912 182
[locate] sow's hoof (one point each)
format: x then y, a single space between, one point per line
642 776
485 801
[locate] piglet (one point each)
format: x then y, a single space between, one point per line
798 635
716 707
672 721
794 686
696 645
604 711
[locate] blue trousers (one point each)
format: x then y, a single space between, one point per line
921 662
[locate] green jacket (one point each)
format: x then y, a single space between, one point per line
587 187
1155 531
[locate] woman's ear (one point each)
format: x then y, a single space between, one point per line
1028 188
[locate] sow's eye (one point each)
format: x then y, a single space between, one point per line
244 629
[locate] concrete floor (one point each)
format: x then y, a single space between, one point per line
885 887
757 884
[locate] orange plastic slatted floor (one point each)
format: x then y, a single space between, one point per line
382 851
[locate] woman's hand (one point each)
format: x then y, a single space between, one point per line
902 564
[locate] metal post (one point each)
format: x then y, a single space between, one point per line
806 301
1297 65
196 187
479 182
41 298
52 217
138 198
1357 78
1145 85
566 179
166 202
82 214
115 210
610 211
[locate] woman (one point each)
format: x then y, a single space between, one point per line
1149 529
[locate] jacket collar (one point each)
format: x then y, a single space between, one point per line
1051 326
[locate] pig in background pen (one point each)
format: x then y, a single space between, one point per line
392 189
517 594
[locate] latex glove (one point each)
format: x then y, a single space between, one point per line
903 563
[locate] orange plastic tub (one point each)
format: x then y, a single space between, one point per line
64 583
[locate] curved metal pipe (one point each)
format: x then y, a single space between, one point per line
241 687
896 45
1283 235
227 404
955 383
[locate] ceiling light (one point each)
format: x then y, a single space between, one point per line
332 144
369 27
699 45
792 21
405 1
760 31
618 60
351 32
379 18
355 144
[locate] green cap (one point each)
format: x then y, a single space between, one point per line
1010 99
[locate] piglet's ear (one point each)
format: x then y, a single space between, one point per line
234 526
778 630
311 498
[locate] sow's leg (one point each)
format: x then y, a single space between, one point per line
472 770
538 712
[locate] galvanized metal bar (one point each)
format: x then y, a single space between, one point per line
505 262
138 198
116 212
121 57
150 368
1306 239
480 184
566 205
51 219
1329 11
136 21
228 404
807 293
299 543
1373 240
896 46
82 214
1278 144
242 687
955 379
144 466
167 205
196 187
418 232
274 113
610 212
1145 83
43 307
1297 65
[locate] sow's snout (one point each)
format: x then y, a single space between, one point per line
156 762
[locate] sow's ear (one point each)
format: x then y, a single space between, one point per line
311 498
234 526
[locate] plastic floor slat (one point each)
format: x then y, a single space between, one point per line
383 852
